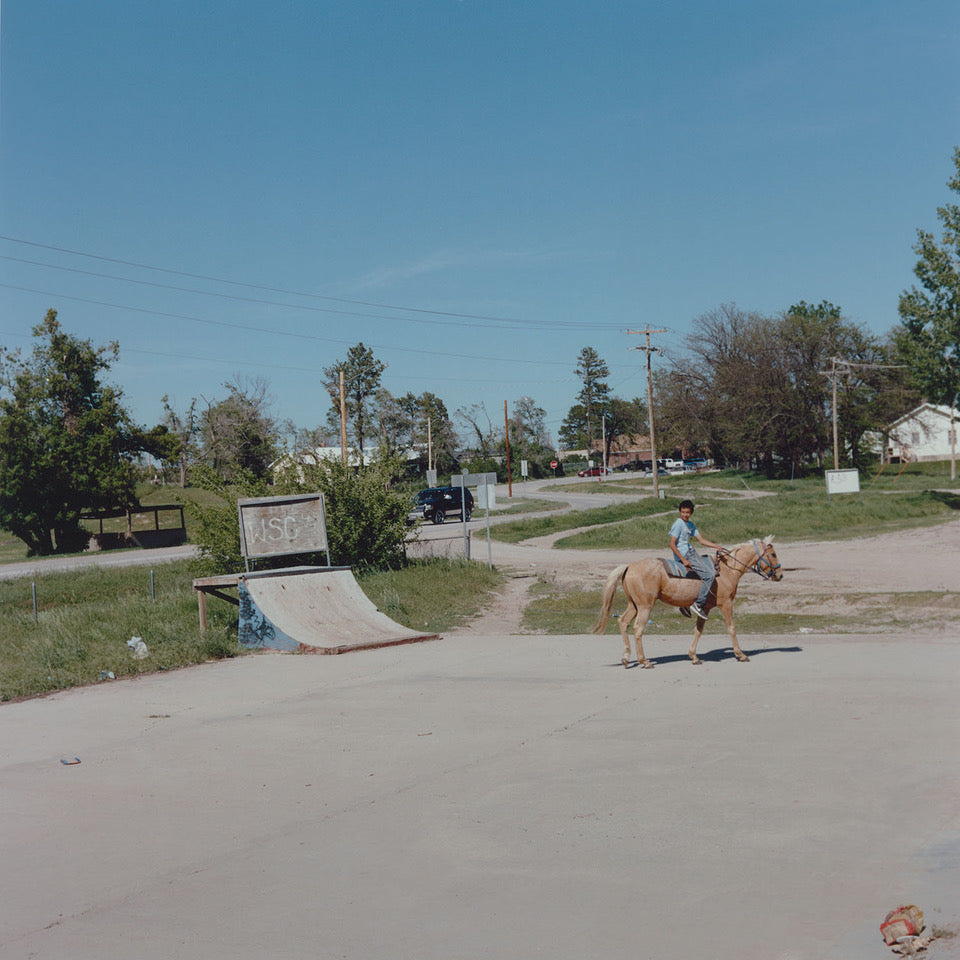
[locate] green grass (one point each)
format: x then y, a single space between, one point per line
85 619
519 530
800 509
13 550
432 595
801 514
518 505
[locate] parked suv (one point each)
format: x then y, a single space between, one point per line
437 503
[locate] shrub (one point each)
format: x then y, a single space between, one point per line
217 528
366 516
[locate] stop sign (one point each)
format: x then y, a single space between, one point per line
554 464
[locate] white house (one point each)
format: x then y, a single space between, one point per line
309 458
922 434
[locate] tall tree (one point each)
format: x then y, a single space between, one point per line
757 388
528 430
239 433
443 437
66 441
817 339
185 429
736 383
573 432
396 424
929 338
479 428
361 374
592 371
418 423
624 420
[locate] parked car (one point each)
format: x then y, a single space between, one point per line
632 465
437 503
594 472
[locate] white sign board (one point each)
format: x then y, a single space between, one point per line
486 496
472 479
842 481
485 484
282 526
431 478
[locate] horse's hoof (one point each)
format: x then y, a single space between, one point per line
743 658
646 664
697 662
625 662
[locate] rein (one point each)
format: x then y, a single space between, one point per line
756 568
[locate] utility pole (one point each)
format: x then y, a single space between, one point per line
343 420
847 368
653 443
506 437
953 439
603 424
836 444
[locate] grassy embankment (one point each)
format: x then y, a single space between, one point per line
732 508
85 619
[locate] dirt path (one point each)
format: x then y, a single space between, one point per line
843 575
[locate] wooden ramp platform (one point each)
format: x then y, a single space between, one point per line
314 610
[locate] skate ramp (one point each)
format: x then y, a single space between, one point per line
314 610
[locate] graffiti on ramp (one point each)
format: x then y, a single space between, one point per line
314 610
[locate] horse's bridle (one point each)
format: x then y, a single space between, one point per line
762 561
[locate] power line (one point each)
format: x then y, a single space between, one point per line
498 321
284 366
250 328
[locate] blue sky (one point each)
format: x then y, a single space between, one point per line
475 189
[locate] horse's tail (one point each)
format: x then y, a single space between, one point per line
613 581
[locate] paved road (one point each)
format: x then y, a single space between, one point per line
488 797
106 558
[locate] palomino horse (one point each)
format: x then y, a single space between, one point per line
647 581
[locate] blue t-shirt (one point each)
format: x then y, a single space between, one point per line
683 530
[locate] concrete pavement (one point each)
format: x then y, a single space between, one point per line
489 797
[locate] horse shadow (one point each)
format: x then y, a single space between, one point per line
709 656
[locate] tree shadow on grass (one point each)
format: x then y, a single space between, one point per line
949 500
708 656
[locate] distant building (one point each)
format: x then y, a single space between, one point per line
922 434
310 458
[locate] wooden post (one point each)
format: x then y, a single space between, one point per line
202 605
653 442
343 419
836 444
506 434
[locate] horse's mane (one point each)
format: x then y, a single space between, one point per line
749 543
